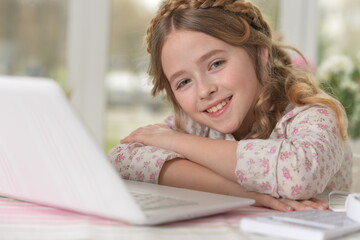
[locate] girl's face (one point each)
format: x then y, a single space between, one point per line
214 83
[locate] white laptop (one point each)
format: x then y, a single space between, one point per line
48 157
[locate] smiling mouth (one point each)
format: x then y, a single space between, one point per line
218 107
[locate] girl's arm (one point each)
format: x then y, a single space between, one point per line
307 157
186 174
217 155
138 162
142 161
304 155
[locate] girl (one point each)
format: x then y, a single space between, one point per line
246 123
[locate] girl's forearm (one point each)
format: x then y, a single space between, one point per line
217 155
186 174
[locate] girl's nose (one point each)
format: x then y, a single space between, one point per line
206 89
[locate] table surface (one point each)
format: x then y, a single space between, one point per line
21 220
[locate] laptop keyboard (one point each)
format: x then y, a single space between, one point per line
148 201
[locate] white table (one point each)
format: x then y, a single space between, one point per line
20 220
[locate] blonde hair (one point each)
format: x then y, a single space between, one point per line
240 24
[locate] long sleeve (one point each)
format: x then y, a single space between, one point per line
303 156
135 161
138 162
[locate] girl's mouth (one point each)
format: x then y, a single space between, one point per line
219 107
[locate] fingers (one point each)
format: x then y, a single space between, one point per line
136 135
296 205
279 205
316 203
286 205
273 203
305 204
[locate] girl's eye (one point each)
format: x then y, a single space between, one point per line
183 83
216 64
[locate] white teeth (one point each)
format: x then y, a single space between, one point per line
218 107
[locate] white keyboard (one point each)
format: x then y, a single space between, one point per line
307 224
148 201
316 218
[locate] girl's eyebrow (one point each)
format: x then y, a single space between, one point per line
175 75
208 55
199 61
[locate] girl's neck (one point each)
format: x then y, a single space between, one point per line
245 127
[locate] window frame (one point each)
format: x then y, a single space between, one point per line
87 50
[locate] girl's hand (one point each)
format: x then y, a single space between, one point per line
265 200
286 205
312 203
158 135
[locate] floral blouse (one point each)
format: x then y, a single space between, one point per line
303 156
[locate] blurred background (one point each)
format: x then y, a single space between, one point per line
95 50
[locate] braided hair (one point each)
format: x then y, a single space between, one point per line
241 24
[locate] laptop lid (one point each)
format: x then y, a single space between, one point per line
48 157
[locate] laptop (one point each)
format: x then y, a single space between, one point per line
48 157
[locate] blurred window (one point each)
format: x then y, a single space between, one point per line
129 102
339 65
339 28
33 38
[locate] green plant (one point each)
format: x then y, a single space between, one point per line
340 76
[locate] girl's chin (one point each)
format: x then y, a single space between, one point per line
225 130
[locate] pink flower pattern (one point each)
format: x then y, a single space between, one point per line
295 191
286 173
265 165
240 175
303 156
137 162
